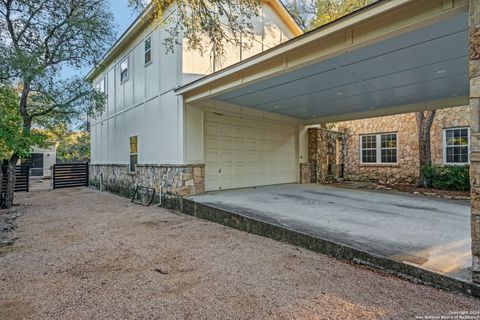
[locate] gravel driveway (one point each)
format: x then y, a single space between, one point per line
82 254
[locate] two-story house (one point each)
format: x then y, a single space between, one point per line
185 123
148 136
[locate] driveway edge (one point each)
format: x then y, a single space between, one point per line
330 248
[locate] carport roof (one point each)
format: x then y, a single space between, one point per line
393 56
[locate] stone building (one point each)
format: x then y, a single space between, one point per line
401 164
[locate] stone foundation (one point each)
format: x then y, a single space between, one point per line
305 173
169 181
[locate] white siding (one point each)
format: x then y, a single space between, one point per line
145 104
270 31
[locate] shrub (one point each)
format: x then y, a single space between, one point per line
447 177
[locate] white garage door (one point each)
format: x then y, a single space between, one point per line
242 152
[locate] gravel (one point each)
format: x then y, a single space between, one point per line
8 225
82 254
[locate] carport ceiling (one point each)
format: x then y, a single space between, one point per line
423 65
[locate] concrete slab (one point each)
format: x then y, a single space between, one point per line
427 232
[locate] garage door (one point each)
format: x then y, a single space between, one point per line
242 152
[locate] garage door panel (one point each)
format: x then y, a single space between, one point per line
212 142
211 128
251 145
226 130
243 152
239 132
251 156
239 144
239 174
211 155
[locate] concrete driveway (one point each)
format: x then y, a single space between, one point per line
429 232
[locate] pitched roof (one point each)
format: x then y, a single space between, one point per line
143 20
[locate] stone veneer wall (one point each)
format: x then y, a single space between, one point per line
474 73
169 181
407 168
324 147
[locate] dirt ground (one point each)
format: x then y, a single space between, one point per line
82 254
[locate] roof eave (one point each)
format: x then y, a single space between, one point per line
132 30
344 22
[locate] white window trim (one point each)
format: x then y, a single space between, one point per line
97 86
146 64
128 69
378 149
444 147
105 92
130 154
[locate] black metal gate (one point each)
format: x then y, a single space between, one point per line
68 175
22 176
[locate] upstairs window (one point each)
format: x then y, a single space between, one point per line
124 70
133 153
378 148
456 146
148 51
100 87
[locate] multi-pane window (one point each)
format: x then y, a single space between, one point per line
378 148
100 87
148 50
369 149
388 148
133 153
456 145
124 70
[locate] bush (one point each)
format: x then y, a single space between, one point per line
447 177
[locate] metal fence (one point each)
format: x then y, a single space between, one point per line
68 175
22 176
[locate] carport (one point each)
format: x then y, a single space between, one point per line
392 57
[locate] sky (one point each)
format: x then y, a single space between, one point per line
123 17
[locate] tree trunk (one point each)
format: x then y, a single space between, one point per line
424 125
27 125
1 183
10 188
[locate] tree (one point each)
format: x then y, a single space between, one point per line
39 39
310 14
204 24
11 137
424 125
211 25
74 147
9 125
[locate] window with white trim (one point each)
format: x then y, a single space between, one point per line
133 153
124 70
378 148
148 50
100 87
456 145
